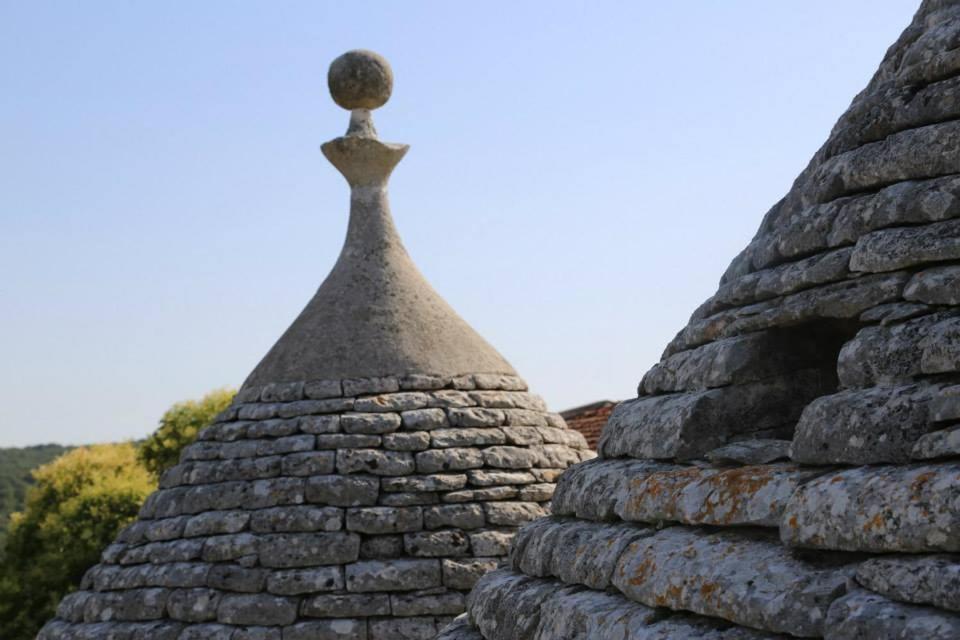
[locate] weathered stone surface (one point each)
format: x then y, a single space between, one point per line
937 285
490 543
860 615
460 629
342 629
591 489
450 603
745 578
466 437
736 360
453 459
941 348
369 423
301 581
892 249
573 551
512 514
296 519
375 461
463 573
257 609
939 444
308 549
347 605
864 426
929 579
342 491
882 509
750 452
437 544
946 406
379 520
420 628
460 516
688 425
393 575
505 606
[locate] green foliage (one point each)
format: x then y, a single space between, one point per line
179 427
76 507
15 467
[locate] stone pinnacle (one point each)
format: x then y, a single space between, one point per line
360 81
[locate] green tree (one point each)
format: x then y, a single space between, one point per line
179 427
76 507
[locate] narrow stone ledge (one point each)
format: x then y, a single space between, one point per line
911 509
927 580
862 614
745 578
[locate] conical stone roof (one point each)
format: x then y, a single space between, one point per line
791 467
373 466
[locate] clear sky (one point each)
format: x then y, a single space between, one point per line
581 173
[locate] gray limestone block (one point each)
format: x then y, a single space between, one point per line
895 312
746 578
524 418
303 408
886 354
452 459
463 573
370 423
925 579
909 509
588 615
165 529
487 478
292 550
450 603
508 400
381 547
362 386
223 495
339 629
241 449
261 411
256 609
565 436
522 436
232 577
347 605
201 451
460 516
938 444
687 425
320 389
207 632
424 419
487 494
412 441
273 428
414 628
575 552
193 605
861 615
294 582
864 426
257 633
736 360
410 499
491 543
512 514
476 417
590 490
466 437
840 300
497 382
536 492
937 285
432 482
449 543
555 456
348 441
402 401
450 398
309 463
750 452
132 605
507 457
946 406
381 520
506 606
896 248
177 575
274 492
295 519
375 461
941 348
922 152
423 382
393 575
459 629
287 444
318 425
230 547
72 606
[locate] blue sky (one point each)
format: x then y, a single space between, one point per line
580 175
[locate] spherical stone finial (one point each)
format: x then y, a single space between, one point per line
360 79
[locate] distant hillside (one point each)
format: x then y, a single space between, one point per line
15 467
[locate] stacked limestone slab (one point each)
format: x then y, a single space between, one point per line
791 467
374 465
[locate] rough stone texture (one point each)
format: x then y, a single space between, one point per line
767 477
